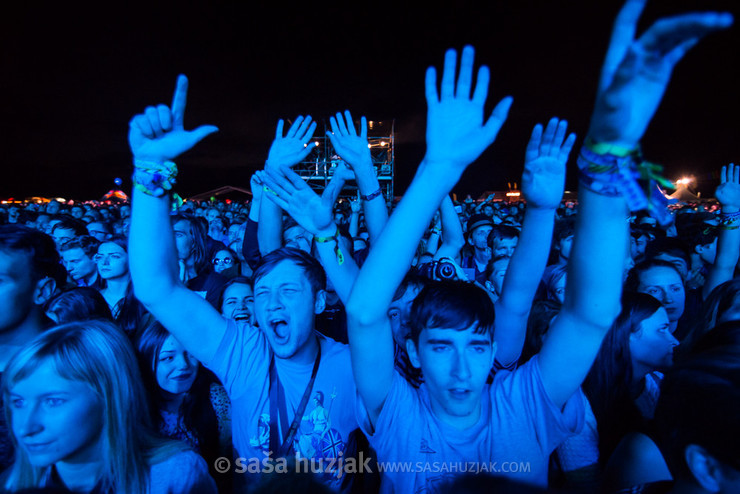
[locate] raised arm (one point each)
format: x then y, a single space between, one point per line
354 150
286 150
456 135
453 239
728 240
543 182
633 80
156 137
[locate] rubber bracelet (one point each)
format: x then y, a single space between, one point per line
611 149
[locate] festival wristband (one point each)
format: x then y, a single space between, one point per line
372 196
333 238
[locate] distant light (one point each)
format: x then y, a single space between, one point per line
683 181
513 194
383 143
316 143
369 146
305 145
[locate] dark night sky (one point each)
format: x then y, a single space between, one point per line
74 73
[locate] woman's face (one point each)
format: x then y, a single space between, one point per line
176 369
112 261
223 260
652 345
54 419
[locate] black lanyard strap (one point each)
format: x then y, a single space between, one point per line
279 448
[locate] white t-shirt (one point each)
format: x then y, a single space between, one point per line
518 429
242 363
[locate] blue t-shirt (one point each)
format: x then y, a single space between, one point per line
242 364
518 429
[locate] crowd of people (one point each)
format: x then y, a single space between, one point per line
306 341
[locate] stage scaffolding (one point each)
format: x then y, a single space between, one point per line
318 167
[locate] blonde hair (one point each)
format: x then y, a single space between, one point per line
98 354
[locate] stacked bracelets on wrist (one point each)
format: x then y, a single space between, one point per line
614 171
154 178
729 221
333 238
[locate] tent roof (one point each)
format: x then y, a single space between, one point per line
226 189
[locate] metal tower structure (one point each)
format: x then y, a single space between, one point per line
318 167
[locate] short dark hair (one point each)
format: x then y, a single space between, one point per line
451 304
38 246
67 222
85 242
502 231
79 304
311 267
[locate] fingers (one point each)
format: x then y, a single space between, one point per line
142 122
464 81
623 33
448 75
279 130
670 33
201 133
498 117
179 99
295 128
533 146
350 123
567 147
548 137
363 128
430 85
481 85
559 137
723 175
165 117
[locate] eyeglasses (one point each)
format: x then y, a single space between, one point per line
225 261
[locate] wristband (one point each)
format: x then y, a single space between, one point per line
333 238
617 171
729 221
372 196
154 178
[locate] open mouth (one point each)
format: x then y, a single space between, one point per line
242 316
459 393
280 328
182 377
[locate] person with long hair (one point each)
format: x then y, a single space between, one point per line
80 419
187 403
622 387
112 260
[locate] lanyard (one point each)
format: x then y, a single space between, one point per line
277 405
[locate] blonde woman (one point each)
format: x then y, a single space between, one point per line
78 413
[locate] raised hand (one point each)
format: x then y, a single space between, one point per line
159 135
456 130
292 148
343 172
636 72
728 192
351 147
543 180
256 186
289 191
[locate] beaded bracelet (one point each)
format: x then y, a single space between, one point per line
333 238
154 178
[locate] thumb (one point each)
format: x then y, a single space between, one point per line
202 132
